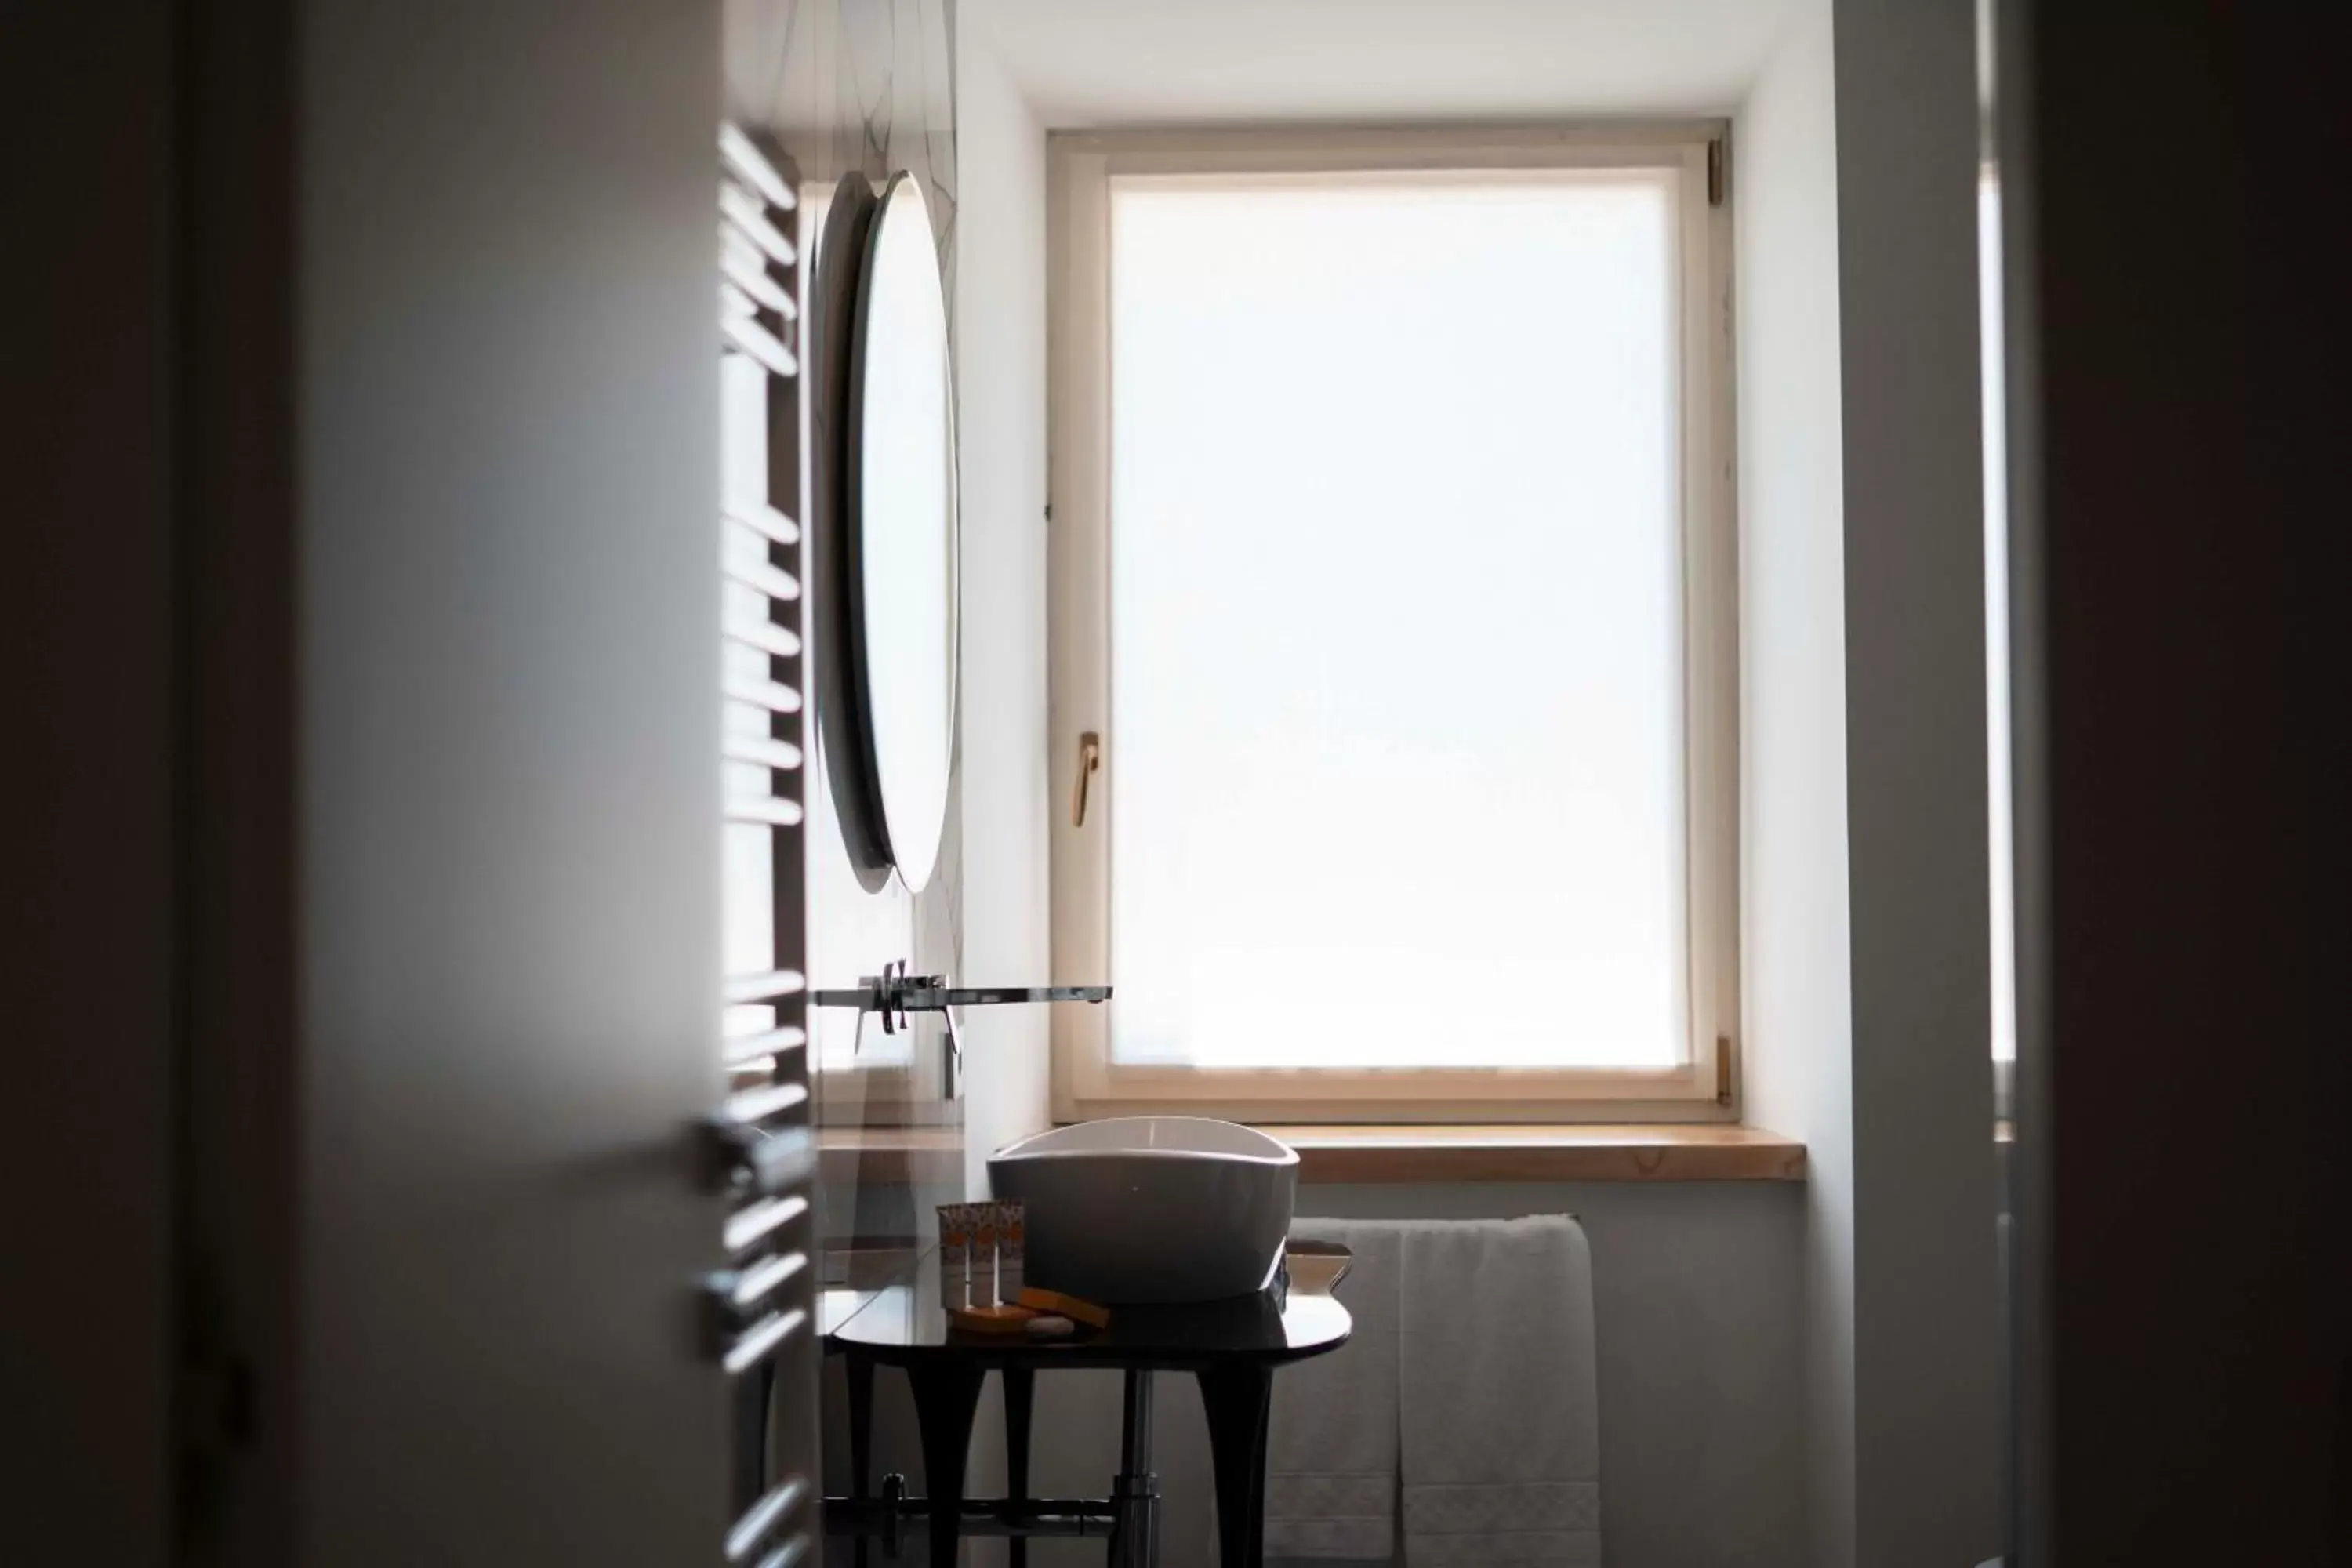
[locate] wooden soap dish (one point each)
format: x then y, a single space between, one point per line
1000 1320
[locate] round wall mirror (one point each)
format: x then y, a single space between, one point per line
897 525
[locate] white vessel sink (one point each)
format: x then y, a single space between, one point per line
1150 1209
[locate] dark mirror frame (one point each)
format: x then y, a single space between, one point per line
836 581
842 685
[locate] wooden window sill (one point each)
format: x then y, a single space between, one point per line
1358 1153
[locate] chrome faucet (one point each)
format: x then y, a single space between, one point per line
894 994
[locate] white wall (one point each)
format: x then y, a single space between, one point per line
1926 1357
1000 385
1796 1075
1697 1289
1083 63
1864 831
1762 1347
1000 289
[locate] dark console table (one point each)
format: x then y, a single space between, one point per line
1232 1347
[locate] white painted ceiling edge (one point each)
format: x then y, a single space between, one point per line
1089 63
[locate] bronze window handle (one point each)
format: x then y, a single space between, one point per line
1089 763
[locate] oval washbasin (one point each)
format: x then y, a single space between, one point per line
1150 1209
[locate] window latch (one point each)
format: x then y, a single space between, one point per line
1090 763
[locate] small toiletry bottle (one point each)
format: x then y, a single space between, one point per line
955 1255
1012 1244
984 1255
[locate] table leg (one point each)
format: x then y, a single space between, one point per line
1020 1388
946 1397
1237 1398
860 1372
1135 1495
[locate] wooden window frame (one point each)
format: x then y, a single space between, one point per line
1087 1083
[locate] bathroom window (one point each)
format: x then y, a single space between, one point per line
1392 623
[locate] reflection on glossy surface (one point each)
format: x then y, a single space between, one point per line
905 520
907 1320
854 1275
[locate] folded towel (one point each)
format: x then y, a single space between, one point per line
1501 1441
1331 1437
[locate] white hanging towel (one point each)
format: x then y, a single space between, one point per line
1501 1442
1331 1437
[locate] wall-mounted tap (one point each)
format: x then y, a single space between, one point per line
894 993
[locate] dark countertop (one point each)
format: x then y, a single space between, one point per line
905 1322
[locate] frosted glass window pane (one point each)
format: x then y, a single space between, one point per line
1396 757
